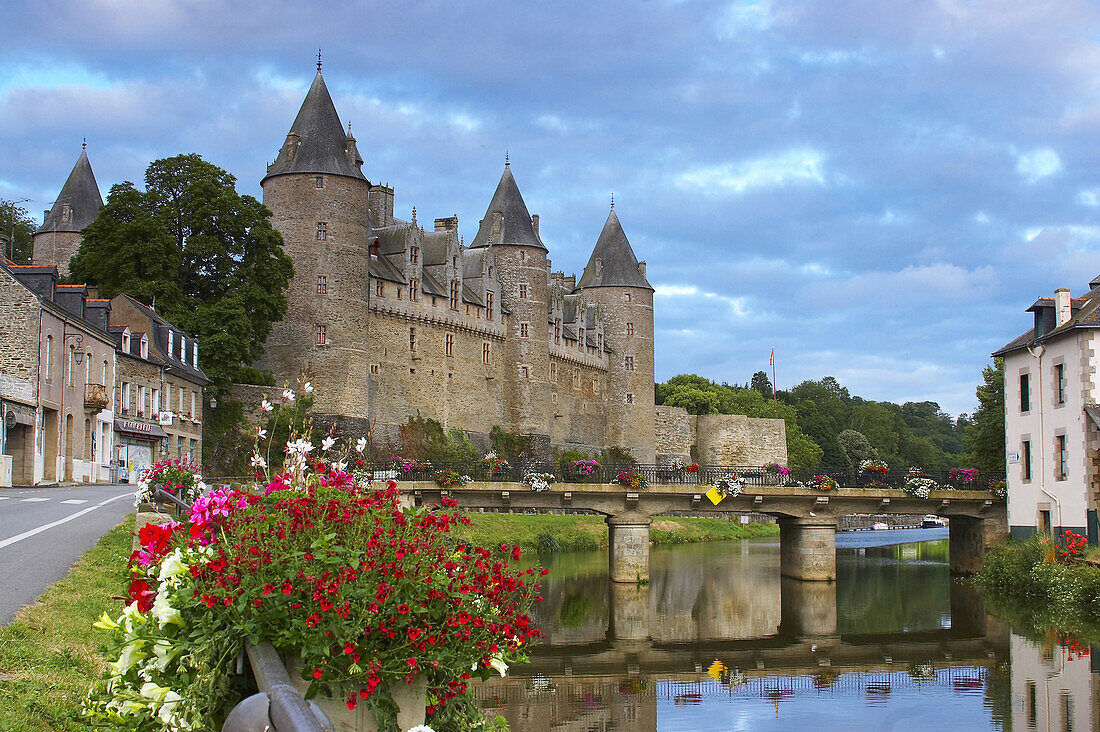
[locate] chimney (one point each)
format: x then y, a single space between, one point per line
449 223
535 223
641 268
1062 311
291 145
381 204
498 226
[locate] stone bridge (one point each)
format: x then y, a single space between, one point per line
807 517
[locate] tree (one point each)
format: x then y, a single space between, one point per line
985 435
856 447
17 227
695 401
762 384
207 255
818 428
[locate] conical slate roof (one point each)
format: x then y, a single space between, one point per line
618 265
322 140
81 192
518 229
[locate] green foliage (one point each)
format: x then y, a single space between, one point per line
17 227
761 383
208 256
615 455
425 439
564 457
509 445
252 375
985 436
226 444
548 544
856 447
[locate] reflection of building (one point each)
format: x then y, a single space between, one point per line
1051 414
1052 688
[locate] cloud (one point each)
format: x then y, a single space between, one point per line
795 165
1037 164
743 16
736 304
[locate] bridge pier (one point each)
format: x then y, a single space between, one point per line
807 548
629 619
628 547
808 609
968 538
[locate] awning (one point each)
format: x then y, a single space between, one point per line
141 430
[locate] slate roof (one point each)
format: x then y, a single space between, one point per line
384 269
158 344
81 192
518 229
323 143
619 266
1085 314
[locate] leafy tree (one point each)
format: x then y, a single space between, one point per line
856 447
17 227
879 425
762 384
985 436
695 401
818 428
207 255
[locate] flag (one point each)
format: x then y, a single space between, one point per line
771 361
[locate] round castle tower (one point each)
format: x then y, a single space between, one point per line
59 237
318 197
616 280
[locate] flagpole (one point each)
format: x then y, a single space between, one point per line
775 398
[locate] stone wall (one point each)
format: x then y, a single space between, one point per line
675 436
19 310
734 439
56 247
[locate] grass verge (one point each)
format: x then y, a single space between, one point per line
581 533
48 653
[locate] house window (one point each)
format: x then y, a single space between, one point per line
125 397
322 335
414 255
319 182
449 345
485 352
1025 392
72 359
629 398
171 341
454 294
523 330
141 401
1061 457
183 347
49 357
1060 383
1027 459
322 284
630 329
379 289
488 306
125 341
628 363
414 289
322 231
523 372
412 339
179 395
523 290
145 346
154 408
626 297
195 354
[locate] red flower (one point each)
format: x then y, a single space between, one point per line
403 609
317 673
142 594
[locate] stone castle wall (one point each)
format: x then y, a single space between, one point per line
675 435
734 439
56 247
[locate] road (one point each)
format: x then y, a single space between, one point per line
43 531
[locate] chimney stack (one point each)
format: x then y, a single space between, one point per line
535 223
450 223
1062 310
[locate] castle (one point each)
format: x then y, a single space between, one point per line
396 321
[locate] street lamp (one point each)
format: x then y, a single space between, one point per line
78 355
213 402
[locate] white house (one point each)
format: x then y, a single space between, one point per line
1051 415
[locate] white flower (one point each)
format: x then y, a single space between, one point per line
327 443
299 447
288 395
340 466
266 405
168 710
164 653
153 691
420 728
165 613
491 455
308 388
498 663
130 655
361 444
172 566
258 461
261 433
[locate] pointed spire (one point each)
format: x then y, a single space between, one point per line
517 227
79 201
612 200
84 145
506 163
618 267
317 142
318 59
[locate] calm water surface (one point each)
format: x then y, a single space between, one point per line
718 641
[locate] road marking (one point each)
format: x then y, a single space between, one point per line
34 500
47 527
75 501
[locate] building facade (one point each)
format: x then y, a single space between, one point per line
1052 440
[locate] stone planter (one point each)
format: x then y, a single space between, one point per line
410 698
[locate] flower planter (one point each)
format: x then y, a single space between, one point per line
411 700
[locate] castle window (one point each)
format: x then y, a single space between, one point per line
449 345
522 255
523 290
414 255
322 231
554 397
595 386
523 330
322 337
630 329
626 297
454 294
553 371
414 289
467 308
374 368
580 341
319 182
488 306
523 372
485 352
322 284
412 339
379 289
628 363
454 262
576 378
398 293
490 271
433 301
557 331
629 398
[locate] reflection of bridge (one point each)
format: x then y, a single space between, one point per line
807 518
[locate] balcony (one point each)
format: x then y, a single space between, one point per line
95 395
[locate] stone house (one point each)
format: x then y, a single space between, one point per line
1052 440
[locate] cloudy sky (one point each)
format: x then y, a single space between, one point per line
879 189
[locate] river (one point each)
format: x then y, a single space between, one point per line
719 641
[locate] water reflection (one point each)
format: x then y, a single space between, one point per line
718 640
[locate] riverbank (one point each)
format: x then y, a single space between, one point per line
588 533
48 655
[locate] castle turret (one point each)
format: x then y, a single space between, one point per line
523 268
59 237
616 279
318 197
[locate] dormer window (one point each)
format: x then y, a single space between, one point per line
126 341
171 341
183 348
195 354
414 255
145 346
